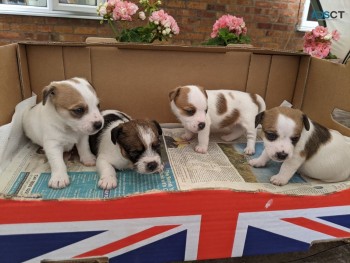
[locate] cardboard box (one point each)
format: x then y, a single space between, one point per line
172 226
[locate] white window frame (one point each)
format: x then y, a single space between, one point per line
305 24
53 9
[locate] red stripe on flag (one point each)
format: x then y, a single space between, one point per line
153 231
317 226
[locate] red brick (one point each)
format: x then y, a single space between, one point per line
264 25
23 27
4 26
196 5
280 27
207 14
85 30
175 3
263 4
278 5
63 29
245 2
216 7
10 35
44 28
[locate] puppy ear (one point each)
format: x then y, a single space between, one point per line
116 132
48 91
159 129
174 93
306 122
259 118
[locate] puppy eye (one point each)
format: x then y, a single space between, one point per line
134 153
271 136
206 111
79 111
190 112
295 139
156 146
98 106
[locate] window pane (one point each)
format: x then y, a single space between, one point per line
13 2
24 2
79 2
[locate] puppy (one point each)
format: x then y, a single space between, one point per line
124 143
302 145
68 114
226 111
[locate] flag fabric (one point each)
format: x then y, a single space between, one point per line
166 227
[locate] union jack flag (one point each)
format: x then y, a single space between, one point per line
166 227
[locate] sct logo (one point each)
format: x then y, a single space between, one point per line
327 14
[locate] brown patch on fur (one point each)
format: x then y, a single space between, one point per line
319 136
302 154
230 119
221 104
130 138
181 100
270 118
84 81
203 91
64 96
254 98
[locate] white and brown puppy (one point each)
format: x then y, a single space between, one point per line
302 145
229 112
125 144
68 114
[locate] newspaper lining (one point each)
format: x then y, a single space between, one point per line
24 170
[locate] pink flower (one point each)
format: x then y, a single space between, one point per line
123 10
234 24
336 35
165 22
318 43
320 31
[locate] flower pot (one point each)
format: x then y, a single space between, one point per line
240 45
91 40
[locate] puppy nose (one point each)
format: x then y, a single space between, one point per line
152 166
282 155
97 125
201 125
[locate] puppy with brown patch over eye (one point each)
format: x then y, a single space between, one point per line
302 145
125 144
68 114
229 112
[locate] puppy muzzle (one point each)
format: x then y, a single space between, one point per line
281 156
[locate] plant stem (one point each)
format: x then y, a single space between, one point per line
110 22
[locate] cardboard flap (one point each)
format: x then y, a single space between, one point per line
10 87
327 88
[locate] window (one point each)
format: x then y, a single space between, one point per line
308 21
57 8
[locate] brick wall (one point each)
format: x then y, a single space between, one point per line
270 23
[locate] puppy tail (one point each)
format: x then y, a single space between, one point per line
261 102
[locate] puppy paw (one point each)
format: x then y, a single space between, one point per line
279 180
108 182
187 136
257 163
201 149
88 160
249 150
59 181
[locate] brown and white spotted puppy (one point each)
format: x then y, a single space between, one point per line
68 114
302 145
125 144
229 112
